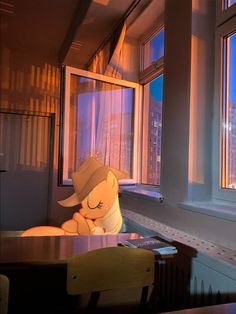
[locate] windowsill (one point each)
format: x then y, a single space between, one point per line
149 192
221 210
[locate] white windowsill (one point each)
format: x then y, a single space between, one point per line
144 191
221 210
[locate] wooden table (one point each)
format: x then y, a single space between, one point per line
37 267
56 250
229 308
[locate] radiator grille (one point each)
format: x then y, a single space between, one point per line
189 279
200 245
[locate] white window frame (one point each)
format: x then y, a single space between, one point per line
219 193
64 130
154 70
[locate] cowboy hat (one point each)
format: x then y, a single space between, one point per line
90 174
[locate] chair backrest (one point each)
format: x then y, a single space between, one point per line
4 294
110 268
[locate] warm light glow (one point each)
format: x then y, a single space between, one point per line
34 89
196 132
41 231
199 7
102 2
127 56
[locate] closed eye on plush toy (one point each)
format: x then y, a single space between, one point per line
99 205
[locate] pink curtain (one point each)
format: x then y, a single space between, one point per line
112 138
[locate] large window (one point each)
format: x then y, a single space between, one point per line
99 120
106 118
224 154
152 79
152 131
229 112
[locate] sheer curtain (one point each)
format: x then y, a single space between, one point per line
112 107
101 112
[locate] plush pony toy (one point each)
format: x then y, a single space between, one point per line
96 189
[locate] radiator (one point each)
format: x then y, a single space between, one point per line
178 289
201 274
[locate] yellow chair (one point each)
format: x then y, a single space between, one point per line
4 294
111 268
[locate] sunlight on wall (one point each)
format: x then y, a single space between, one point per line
130 60
28 88
198 94
196 156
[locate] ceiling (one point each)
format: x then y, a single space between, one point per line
53 27
62 28
35 26
100 21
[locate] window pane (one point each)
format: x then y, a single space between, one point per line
100 123
229 114
228 3
153 99
153 49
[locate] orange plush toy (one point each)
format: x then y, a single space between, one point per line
96 189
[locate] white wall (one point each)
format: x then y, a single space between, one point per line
175 127
188 100
186 174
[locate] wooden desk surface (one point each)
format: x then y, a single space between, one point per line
18 251
229 308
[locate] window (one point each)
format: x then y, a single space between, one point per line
226 9
228 3
100 119
152 131
152 79
153 49
229 113
224 154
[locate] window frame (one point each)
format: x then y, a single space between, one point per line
222 15
219 192
64 121
156 68
153 71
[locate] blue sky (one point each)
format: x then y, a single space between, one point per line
157 46
156 88
232 83
156 52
